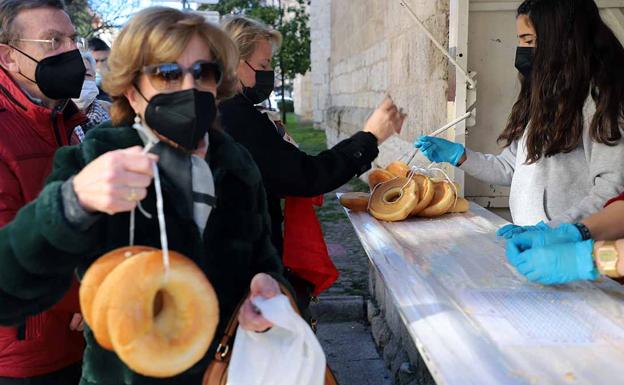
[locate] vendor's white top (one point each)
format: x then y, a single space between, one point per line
476 321
561 188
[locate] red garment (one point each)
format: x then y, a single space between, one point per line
29 136
617 198
305 252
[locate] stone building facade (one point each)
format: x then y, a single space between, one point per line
365 49
361 51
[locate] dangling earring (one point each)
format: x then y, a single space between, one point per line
137 123
152 139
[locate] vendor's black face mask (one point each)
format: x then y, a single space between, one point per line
265 82
60 76
183 117
524 60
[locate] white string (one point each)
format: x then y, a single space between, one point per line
132 227
164 244
373 192
145 213
449 180
152 140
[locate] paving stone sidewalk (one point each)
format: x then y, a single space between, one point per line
343 329
343 245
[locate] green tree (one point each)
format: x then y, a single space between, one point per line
294 54
293 23
92 17
251 8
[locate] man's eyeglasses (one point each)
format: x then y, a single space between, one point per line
169 76
58 42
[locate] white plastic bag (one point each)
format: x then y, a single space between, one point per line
288 354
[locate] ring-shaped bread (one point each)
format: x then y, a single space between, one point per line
443 200
160 323
394 200
426 191
92 280
377 176
355 201
398 168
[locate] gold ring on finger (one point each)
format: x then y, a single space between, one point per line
133 196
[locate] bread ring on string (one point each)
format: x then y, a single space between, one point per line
398 168
443 200
461 206
377 176
426 192
160 323
355 201
394 200
93 278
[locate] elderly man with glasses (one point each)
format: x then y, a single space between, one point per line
41 69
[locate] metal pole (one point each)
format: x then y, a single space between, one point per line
439 46
281 24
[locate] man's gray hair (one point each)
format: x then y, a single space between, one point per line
10 8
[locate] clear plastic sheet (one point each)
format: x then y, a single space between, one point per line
476 321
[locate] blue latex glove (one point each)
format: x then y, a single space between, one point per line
555 264
508 231
521 242
565 233
440 150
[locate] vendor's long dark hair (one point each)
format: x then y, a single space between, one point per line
576 54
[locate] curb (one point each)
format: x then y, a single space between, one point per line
339 309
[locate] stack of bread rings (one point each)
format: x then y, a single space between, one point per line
397 193
159 321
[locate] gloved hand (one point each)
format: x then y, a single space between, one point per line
564 233
440 150
511 230
556 263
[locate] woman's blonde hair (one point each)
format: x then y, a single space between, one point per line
160 35
246 32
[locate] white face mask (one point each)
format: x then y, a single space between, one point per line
88 94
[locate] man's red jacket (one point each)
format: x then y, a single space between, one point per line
29 136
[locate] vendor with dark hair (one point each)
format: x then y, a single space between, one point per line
563 151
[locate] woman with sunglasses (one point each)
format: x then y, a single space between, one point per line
285 169
167 69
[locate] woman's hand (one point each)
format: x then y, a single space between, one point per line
554 264
76 323
441 150
115 181
386 121
249 317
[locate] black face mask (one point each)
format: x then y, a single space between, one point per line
183 117
524 60
60 76
265 82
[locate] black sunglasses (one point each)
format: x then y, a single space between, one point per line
169 76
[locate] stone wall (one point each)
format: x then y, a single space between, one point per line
302 96
376 49
320 52
397 347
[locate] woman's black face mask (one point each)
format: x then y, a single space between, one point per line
183 117
265 82
524 60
